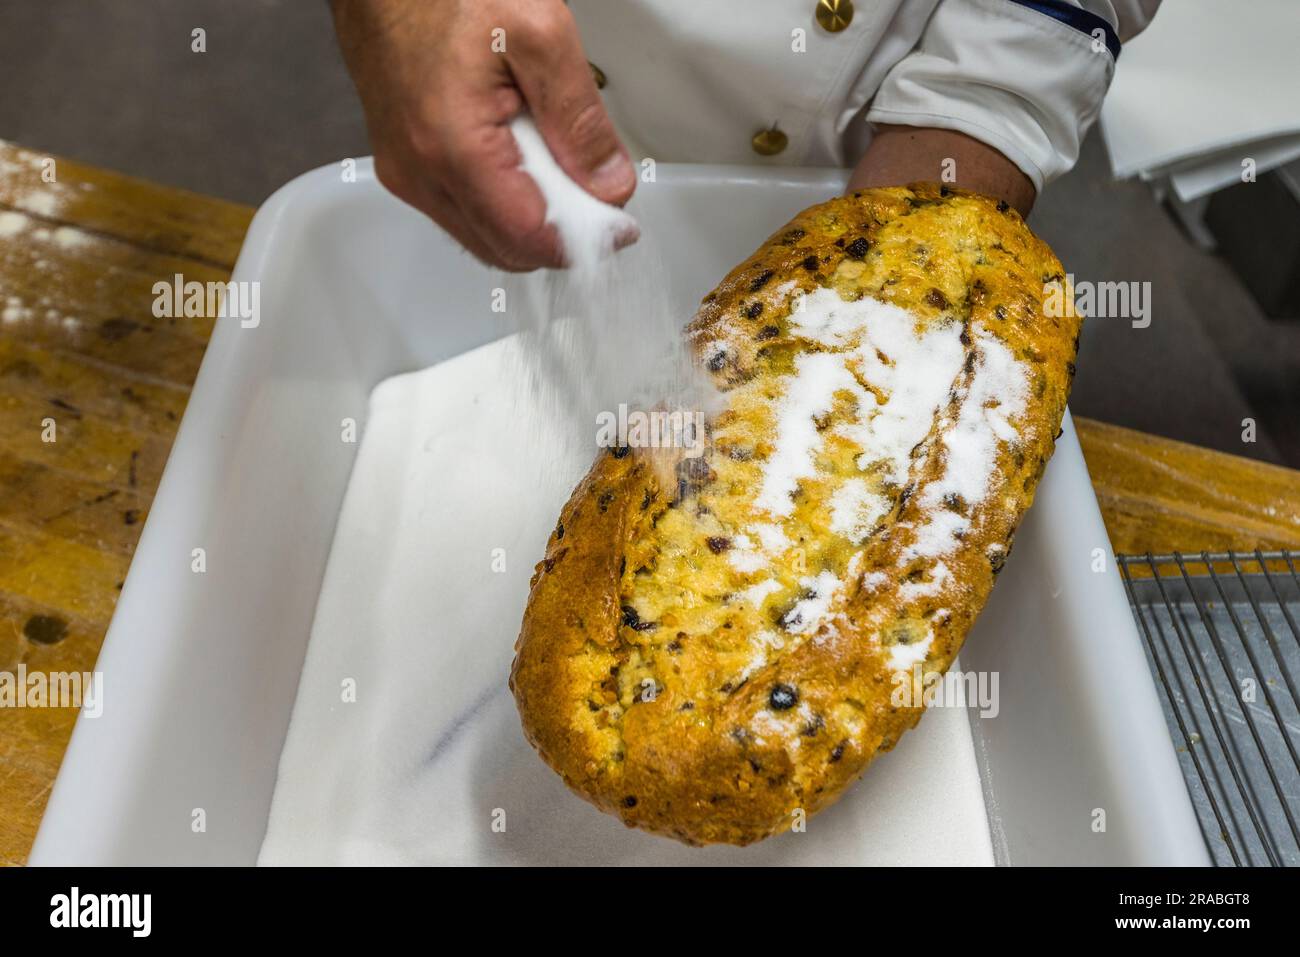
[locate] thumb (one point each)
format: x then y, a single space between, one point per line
553 75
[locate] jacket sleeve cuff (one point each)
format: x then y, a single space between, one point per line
1007 74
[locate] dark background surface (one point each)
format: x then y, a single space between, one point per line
115 84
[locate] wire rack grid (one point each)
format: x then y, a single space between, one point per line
1220 631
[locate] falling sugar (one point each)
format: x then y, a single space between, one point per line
590 229
601 337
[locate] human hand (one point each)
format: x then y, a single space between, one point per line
440 81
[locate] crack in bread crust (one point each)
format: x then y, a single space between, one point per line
710 656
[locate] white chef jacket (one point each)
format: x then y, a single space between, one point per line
695 80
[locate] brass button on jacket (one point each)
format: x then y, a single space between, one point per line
769 142
834 15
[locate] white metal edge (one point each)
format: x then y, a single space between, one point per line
1135 735
90 771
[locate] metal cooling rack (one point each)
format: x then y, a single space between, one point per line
1220 632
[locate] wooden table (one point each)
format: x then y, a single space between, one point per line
79 345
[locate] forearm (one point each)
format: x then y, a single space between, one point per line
899 155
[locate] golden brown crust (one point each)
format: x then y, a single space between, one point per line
636 674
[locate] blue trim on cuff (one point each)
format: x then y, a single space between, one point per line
1082 20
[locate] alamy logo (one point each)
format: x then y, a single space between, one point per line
656 429
198 300
1099 300
21 688
919 688
133 911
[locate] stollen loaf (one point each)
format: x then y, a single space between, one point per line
716 649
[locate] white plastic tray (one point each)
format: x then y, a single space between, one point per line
201 668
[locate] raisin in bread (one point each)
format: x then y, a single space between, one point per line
710 655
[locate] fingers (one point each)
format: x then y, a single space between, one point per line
551 70
443 210
503 203
483 240
439 100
